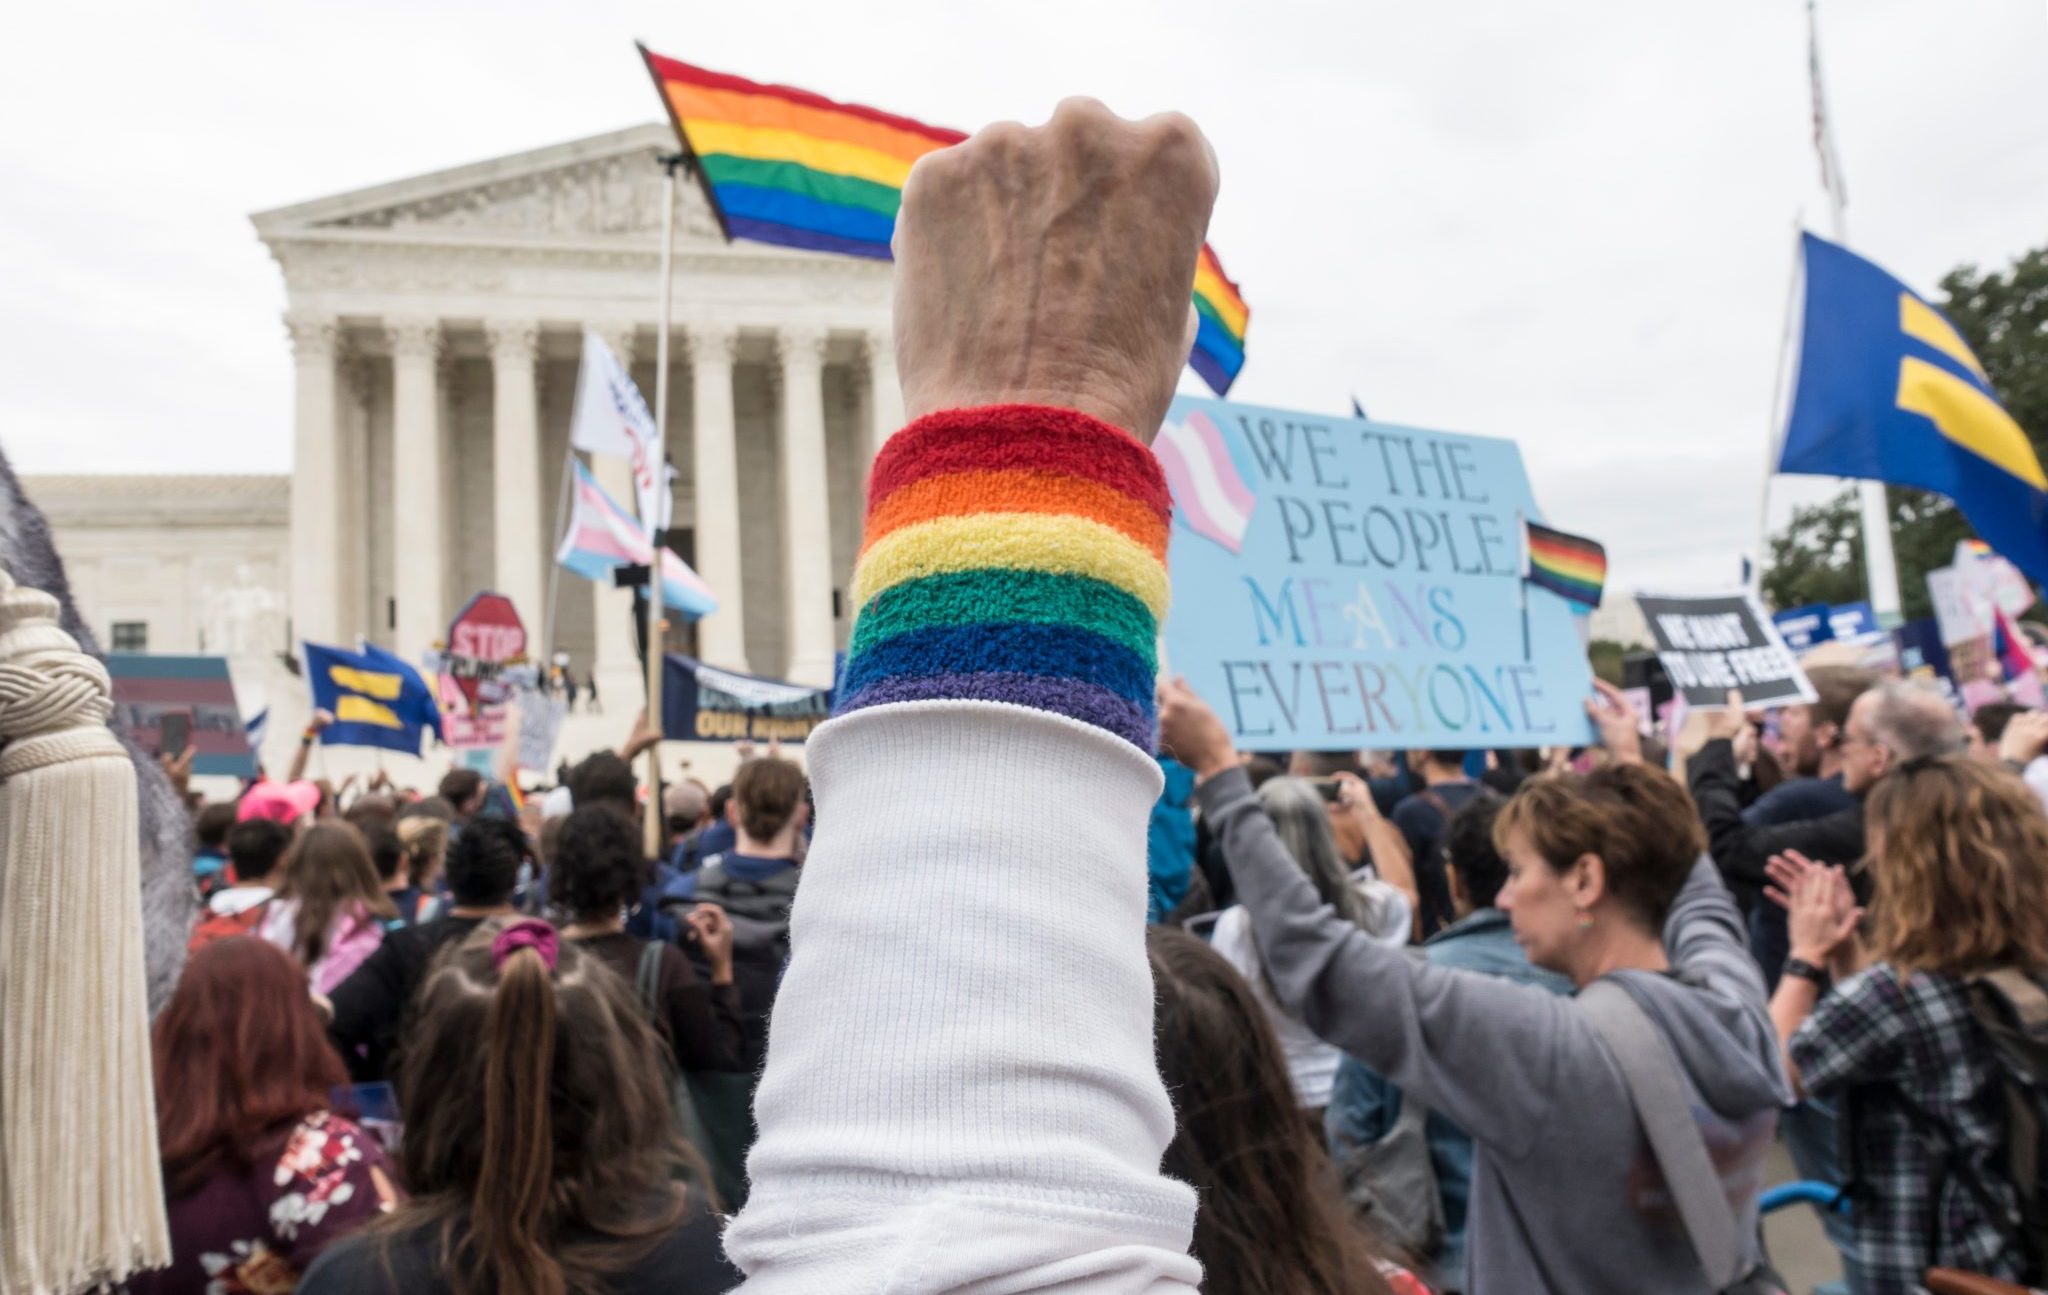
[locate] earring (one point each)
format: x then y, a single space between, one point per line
1585 919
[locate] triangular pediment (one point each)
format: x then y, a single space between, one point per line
607 186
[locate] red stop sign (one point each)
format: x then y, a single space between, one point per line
483 637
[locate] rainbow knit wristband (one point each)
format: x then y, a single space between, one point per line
1014 553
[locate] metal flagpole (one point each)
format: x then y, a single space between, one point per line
1522 525
1879 565
672 164
555 565
1774 442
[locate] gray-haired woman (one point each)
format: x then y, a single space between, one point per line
1301 818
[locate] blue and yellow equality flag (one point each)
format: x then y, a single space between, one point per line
376 698
1888 390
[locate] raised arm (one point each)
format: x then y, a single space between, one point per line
1441 1034
314 727
960 1090
1743 850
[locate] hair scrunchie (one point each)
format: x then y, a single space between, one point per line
526 933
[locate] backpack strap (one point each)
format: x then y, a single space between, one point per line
2011 1008
1663 1109
2023 995
647 979
1431 797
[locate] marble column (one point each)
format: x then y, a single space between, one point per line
806 506
721 636
515 470
885 391
419 556
352 450
618 659
316 539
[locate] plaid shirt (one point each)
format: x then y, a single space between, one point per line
1871 1038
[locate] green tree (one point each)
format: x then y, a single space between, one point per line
1818 557
1605 656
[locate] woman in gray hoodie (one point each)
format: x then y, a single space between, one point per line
1607 878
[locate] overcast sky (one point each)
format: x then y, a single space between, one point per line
1570 224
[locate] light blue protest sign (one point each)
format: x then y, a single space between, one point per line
1341 584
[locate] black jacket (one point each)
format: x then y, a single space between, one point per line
370 1006
1740 851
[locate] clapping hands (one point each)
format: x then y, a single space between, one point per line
2025 737
1821 914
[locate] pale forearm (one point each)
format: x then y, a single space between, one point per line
1391 859
1790 1006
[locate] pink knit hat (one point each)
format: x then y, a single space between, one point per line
280 802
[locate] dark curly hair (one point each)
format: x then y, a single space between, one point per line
598 867
603 777
483 862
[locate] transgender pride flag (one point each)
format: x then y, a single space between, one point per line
603 537
2015 660
1208 495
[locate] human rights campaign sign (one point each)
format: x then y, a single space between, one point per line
1341 584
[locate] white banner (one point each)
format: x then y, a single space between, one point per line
612 418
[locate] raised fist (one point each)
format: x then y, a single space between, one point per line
1053 265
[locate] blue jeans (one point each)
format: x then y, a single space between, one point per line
1813 1136
1769 942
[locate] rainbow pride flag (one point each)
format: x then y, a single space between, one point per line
1219 335
785 166
1570 566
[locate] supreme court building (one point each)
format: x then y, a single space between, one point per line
435 325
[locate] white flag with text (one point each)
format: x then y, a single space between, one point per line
612 418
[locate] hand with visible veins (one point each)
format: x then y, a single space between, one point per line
1054 265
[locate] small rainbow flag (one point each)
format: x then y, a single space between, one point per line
1219 335
786 166
1570 566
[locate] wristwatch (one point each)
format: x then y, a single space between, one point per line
1805 970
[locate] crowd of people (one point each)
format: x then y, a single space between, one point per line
1003 994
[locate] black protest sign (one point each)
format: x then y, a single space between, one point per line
701 703
1713 644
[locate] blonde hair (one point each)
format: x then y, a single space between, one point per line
424 839
1960 861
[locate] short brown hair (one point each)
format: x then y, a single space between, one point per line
458 786
1639 820
1836 688
1960 857
767 791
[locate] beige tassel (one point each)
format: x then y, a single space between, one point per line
81 1191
